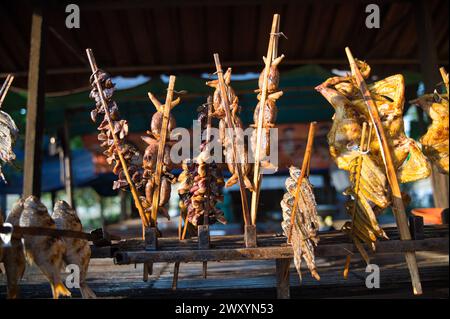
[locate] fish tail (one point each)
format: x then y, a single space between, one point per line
60 290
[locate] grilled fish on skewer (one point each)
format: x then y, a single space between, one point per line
46 252
306 224
77 251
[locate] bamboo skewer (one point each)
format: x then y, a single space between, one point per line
161 147
444 75
398 206
133 190
271 54
5 88
304 169
238 166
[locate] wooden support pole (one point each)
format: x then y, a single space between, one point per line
35 104
231 129
161 149
256 168
67 158
429 69
397 202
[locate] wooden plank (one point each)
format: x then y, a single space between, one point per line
275 252
35 105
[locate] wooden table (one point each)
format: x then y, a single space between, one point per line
270 247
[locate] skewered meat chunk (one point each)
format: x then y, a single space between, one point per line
306 223
201 183
274 75
436 139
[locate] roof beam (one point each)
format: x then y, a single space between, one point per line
208 66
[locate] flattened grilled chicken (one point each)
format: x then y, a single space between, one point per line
435 142
351 112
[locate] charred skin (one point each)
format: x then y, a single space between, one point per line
78 251
46 252
14 257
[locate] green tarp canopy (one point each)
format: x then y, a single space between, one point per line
300 102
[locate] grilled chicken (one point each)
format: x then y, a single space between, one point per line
436 139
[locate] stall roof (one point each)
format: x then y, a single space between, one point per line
179 36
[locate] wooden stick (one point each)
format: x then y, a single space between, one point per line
5 87
398 206
444 75
133 190
161 147
230 125
306 159
256 168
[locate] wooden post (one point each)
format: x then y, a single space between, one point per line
430 71
397 202
282 274
35 105
67 159
416 227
